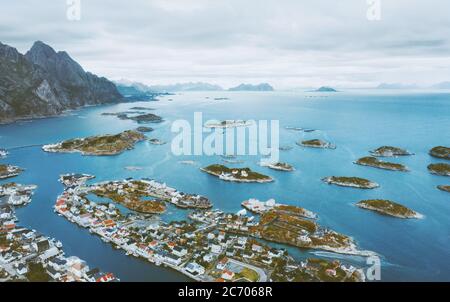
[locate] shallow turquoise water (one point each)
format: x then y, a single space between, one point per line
356 122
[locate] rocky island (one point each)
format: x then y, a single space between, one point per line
146 118
236 174
389 151
354 182
228 124
156 141
387 207
98 145
445 188
139 117
316 143
144 129
277 166
440 152
442 169
8 171
371 161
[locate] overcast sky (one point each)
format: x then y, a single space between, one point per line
288 43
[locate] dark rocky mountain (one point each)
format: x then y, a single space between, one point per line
44 82
250 87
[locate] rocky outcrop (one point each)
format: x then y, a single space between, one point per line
44 82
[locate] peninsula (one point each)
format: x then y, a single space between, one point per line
236 174
98 145
354 182
387 207
371 161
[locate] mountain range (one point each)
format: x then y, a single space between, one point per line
44 82
135 88
250 87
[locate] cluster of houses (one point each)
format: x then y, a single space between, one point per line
16 194
213 246
24 251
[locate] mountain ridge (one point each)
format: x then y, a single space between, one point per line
44 82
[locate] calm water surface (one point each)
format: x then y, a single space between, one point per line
356 122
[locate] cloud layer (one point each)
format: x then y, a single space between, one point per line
288 43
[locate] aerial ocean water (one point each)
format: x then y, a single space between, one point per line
355 121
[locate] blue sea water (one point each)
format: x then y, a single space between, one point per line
356 121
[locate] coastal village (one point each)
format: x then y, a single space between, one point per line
212 246
27 255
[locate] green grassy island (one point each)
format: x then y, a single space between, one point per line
387 207
354 182
442 169
389 151
440 152
130 196
98 145
445 188
236 174
316 143
371 161
8 171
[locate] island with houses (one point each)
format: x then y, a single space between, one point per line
213 245
236 174
99 144
8 171
26 255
